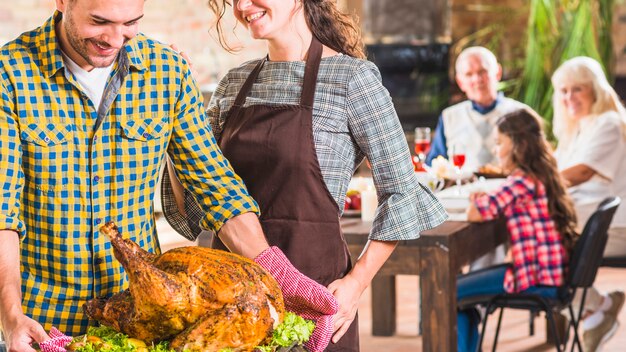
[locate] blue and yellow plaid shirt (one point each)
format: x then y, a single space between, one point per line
67 166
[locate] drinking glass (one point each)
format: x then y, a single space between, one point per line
458 159
421 145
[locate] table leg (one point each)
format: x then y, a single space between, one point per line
438 292
383 305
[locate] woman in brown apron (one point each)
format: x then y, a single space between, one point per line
271 148
295 126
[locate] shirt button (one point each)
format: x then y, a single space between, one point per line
96 179
46 139
98 221
146 135
98 261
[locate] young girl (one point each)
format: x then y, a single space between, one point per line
540 219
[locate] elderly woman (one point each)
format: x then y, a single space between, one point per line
590 124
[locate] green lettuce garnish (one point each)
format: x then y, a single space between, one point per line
112 341
294 330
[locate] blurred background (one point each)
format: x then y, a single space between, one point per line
412 41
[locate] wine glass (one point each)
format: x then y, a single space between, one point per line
422 145
457 151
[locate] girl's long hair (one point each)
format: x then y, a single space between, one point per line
532 154
330 26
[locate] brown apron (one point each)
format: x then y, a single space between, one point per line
271 148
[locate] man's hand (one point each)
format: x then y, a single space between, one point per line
302 295
21 332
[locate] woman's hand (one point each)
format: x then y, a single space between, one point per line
347 292
185 56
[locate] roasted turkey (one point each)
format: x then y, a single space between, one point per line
199 298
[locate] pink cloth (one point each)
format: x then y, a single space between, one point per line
56 343
303 296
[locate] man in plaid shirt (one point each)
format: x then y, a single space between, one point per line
89 108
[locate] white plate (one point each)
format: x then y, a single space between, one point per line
457 216
453 193
465 190
456 199
455 205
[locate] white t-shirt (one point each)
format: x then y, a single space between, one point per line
92 82
600 145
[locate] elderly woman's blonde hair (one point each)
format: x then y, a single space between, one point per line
583 70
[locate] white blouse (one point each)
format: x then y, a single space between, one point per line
600 145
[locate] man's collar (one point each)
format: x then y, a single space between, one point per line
50 49
487 109
134 52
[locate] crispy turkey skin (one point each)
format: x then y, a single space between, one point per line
199 298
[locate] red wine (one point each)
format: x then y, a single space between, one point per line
422 146
458 160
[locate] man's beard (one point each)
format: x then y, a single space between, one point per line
81 46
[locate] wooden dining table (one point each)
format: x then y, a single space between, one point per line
437 257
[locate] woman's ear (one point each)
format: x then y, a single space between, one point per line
61 4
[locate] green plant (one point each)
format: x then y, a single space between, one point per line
557 31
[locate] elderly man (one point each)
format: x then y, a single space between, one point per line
469 124
89 108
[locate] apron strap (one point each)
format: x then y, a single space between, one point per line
247 86
308 86
310 73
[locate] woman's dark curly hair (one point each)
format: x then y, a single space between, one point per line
330 26
532 154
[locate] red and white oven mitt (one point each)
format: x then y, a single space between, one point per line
56 343
303 296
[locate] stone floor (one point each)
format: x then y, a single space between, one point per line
514 334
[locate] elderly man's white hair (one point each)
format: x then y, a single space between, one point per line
487 57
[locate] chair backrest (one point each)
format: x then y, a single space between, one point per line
589 248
